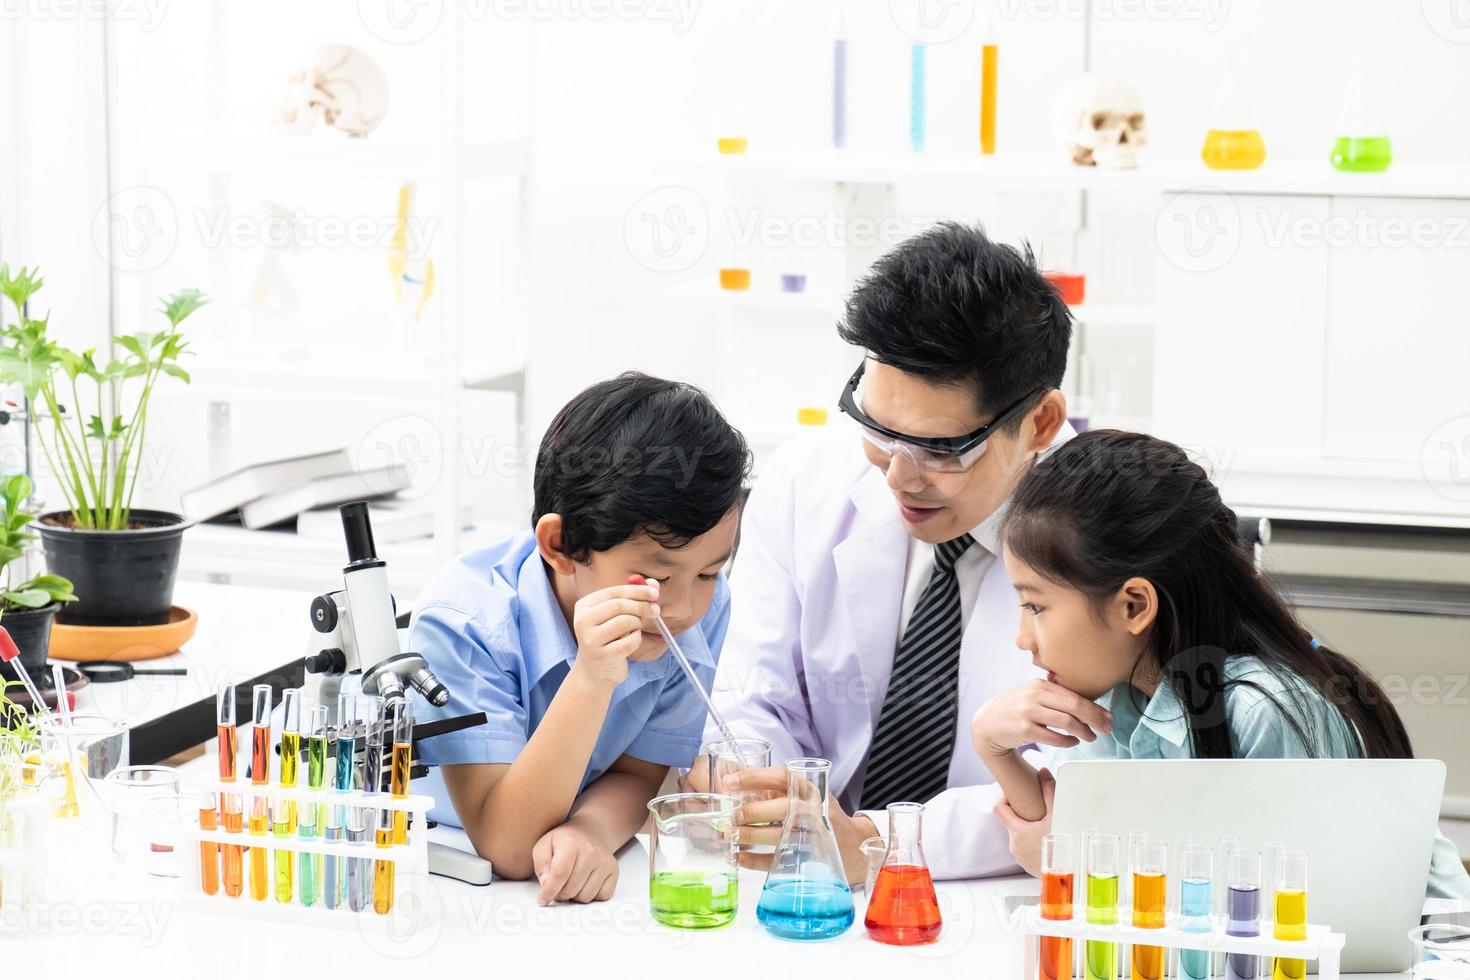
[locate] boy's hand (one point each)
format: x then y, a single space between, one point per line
572 867
609 626
1027 715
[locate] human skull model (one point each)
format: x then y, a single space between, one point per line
1099 121
342 87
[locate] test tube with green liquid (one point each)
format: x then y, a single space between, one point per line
310 825
1101 958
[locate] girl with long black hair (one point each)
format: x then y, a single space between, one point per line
1159 637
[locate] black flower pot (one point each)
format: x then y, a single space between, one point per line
121 578
30 629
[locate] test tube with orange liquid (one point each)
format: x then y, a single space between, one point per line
1058 879
260 772
230 815
1150 896
393 824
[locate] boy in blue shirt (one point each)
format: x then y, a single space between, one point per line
586 708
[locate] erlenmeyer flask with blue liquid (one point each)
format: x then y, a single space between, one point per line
806 895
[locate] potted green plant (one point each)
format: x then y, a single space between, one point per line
122 560
26 608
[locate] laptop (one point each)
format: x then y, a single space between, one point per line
1366 825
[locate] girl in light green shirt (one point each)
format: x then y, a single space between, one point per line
1160 639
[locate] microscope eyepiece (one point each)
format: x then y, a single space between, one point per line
358 530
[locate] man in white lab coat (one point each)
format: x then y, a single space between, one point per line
871 614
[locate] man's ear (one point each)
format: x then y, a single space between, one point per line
1048 417
1138 603
548 542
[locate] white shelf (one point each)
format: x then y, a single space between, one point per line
333 156
300 371
773 300
1112 314
1052 172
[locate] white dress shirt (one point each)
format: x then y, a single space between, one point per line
819 594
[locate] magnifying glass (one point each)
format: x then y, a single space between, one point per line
110 671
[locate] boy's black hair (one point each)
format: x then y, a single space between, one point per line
638 454
953 307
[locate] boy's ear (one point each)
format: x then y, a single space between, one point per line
548 542
1138 602
1048 416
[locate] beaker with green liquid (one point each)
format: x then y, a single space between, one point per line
692 871
1362 145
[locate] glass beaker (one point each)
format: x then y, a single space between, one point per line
692 874
88 749
806 895
726 759
1441 952
902 907
1233 142
1362 144
127 791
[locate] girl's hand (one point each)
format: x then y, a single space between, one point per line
1027 715
1025 835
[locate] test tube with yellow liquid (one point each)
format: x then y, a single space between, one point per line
393 824
283 810
1291 913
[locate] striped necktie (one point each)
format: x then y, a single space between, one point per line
911 751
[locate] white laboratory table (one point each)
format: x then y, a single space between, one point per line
102 919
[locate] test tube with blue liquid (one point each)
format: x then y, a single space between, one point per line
806 895
1243 911
1196 905
334 877
361 819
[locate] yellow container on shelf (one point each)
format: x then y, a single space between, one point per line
732 145
1233 149
734 278
811 416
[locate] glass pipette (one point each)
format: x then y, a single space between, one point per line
673 645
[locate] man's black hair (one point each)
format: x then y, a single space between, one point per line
638 454
955 308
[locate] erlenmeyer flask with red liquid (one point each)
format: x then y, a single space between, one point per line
903 909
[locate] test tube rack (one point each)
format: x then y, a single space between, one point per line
410 859
23 864
1322 944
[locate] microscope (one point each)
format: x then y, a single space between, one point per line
354 640
356 629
